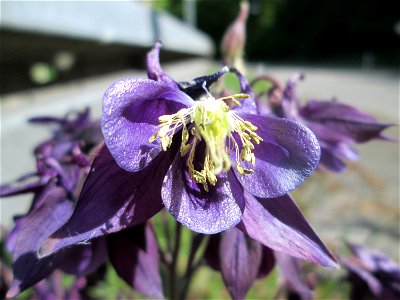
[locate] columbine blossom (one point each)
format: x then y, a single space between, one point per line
337 126
212 163
371 274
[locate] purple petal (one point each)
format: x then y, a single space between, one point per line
344 119
287 155
154 70
131 108
44 219
240 261
278 223
201 211
112 199
134 255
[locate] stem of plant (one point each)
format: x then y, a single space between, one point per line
197 239
174 262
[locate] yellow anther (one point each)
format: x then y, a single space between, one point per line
211 121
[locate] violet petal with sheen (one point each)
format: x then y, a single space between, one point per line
201 211
287 155
131 108
278 223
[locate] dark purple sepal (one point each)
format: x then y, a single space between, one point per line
288 154
47 216
240 259
278 224
343 119
131 108
205 212
134 256
112 199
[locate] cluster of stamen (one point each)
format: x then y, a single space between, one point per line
210 120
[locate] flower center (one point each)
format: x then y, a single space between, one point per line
212 121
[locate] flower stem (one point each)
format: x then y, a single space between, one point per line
174 262
191 267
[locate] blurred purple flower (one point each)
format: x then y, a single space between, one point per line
337 126
371 274
292 281
132 178
61 164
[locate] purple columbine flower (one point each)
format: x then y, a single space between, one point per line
337 126
371 274
212 163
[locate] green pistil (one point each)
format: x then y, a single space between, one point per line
213 122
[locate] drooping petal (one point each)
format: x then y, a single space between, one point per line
111 200
240 262
154 70
278 224
34 228
134 255
287 155
131 108
344 119
201 211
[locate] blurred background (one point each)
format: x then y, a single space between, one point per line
56 56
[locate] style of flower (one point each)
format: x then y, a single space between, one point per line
371 274
212 163
337 126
